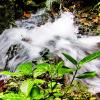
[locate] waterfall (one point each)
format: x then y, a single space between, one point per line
57 36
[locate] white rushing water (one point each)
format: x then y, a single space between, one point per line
58 36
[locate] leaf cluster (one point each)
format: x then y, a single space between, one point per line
48 81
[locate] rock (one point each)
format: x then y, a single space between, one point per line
97 96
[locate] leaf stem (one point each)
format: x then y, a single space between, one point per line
73 77
77 68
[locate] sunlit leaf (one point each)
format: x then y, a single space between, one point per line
25 68
58 94
26 87
59 65
52 85
38 81
22 69
40 69
8 73
90 58
12 96
99 14
57 99
87 75
71 59
64 70
50 98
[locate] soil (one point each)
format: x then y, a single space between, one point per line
86 16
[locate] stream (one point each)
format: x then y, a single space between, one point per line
33 35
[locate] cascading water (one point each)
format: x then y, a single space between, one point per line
58 36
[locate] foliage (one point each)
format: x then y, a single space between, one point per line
23 68
97 6
12 96
6 14
80 63
47 81
50 2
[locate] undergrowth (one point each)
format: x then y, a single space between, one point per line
48 81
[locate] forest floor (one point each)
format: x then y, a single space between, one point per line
87 17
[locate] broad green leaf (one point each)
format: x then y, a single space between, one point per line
90 58
59 65
35 93
41 68
28 98
12 96
87 75
25 68
71 59
38 81
64 70
58 94
57 88
26 87
8 73
57 99
50 98
52 85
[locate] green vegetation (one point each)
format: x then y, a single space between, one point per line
97 7
49 81
7 14
10 10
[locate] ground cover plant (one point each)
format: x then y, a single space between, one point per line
48 81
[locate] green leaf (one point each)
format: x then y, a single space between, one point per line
40 69
25 68
42 66
8 73
58 94
22 69
59 65
26 87
87 75
99 14
64 70
12 96
57 99
71 59
70 98
35 93
38 81
28 98
52 85
90 58
50 98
